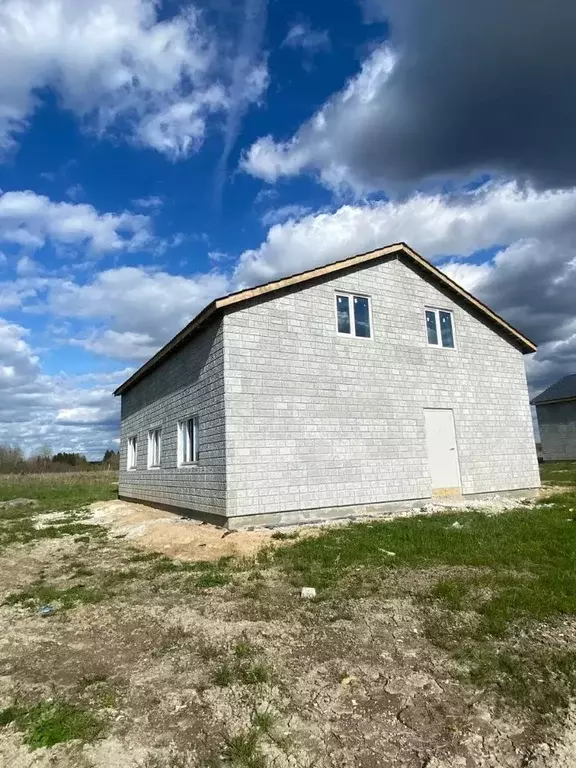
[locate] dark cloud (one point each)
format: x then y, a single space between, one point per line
478 86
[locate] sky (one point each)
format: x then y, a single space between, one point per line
156 155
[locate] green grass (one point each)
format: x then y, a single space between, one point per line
243 667
243 750
45 594
558 472
60 491
494 581
51 722
24 530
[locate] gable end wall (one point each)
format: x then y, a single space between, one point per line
317 420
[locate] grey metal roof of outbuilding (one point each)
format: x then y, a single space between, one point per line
564 389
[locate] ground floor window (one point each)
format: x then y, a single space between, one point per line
154 447
188 441
132 452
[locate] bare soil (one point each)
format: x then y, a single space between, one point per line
180 674
182 537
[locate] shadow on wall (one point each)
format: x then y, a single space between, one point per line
179 370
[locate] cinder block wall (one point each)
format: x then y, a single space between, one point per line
557 431
314 419
190 382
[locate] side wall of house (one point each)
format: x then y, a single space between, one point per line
557 431
318 420
188 383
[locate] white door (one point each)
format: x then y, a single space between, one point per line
442 451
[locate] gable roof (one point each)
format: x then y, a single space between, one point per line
562 390
233 300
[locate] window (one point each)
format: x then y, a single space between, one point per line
188 441
154 448
440 328
354 315
132 452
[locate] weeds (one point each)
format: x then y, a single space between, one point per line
51 722
43 594
243 750
243 668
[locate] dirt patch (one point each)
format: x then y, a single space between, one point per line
157 531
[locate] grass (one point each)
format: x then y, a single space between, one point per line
39 594
25 529
51 722
558 473
69 493
503 578
60 491
242 668
243 750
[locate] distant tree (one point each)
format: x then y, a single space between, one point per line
45 452
73 459
11 459
111 458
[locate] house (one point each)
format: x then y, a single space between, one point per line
369 383
556 411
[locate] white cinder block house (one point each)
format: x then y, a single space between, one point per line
352 387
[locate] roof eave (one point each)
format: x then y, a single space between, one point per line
553 401
171 346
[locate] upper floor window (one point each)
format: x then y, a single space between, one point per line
354 315
154 447
188 441
132 460
440 328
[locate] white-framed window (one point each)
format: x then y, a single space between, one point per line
440 328
154 447
188 441
132 459
354 315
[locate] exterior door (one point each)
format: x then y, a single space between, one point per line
442 451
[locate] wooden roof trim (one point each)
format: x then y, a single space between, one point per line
524 340
302 277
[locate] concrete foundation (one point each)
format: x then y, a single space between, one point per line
323 514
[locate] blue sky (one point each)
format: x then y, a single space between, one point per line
156 155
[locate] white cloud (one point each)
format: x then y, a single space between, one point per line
75 192
152 201
285 212
114 63
69 413
30 220
27 266
249 78
302 36
142 308
321 142
496 214
179 129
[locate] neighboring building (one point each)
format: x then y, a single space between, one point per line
556 410
348 388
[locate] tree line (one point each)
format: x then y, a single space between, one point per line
13 460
